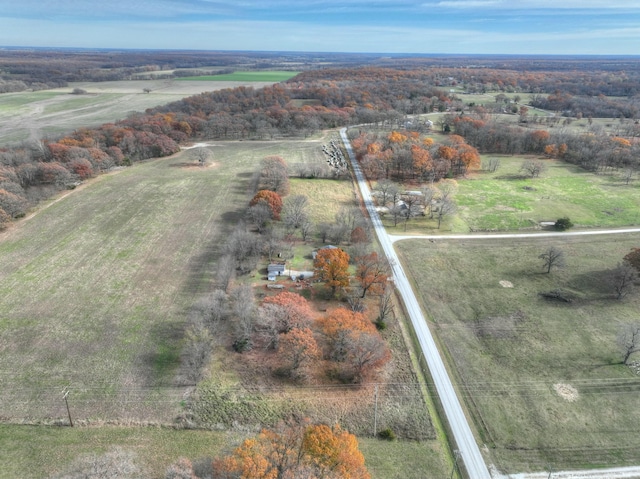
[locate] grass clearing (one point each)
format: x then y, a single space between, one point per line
508 347
504 200
326 197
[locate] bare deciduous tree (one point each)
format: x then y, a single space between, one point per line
553 258
385 307
533 168
491 165
117 462
306 229
201 155
629 341
245 248
294 211
197 351
323 230
386 190
259 214
212 308
428 195
622 279
411 208
226 267
349 216
338 232
446 207
244 311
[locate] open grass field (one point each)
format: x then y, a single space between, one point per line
248 76
504 200
509 348
95 288
35 115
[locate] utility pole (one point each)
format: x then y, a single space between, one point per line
65 393
375 412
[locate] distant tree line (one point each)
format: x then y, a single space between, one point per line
315 100
594 151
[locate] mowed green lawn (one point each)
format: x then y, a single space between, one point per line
505 200
508 347
248 76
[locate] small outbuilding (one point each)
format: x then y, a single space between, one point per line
274 270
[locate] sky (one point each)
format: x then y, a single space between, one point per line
561 27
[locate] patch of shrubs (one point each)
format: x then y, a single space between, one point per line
563 224
387 434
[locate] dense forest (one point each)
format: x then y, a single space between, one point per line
383 92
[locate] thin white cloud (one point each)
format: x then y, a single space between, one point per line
252 35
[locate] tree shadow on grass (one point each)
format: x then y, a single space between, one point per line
160 365
513 177
594 284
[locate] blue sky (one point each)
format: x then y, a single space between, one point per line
599 27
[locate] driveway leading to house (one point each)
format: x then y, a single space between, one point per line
549 234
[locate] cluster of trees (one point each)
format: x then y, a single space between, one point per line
592 151
588 77
35 170
587 106
413 156
343 344
313 100
294 450
435 200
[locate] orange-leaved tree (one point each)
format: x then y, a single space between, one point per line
334 451
272 199
353 342
293 310
332 267
295 451
298 348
